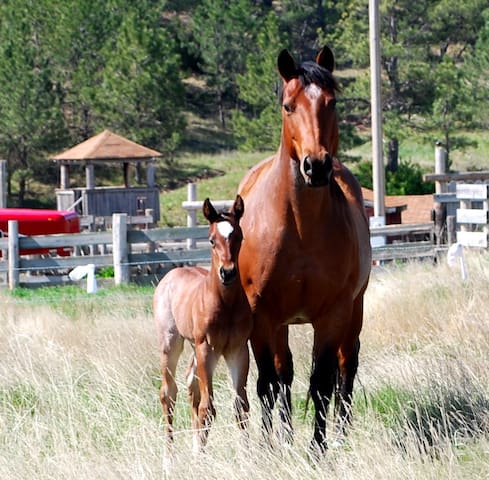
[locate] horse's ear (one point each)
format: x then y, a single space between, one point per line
209 211
286 65
325 58
238 207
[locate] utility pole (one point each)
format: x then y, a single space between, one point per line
3 183
378 172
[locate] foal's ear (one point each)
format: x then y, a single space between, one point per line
286 65
209 211
325 58
238 208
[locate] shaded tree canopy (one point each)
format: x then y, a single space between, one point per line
70 69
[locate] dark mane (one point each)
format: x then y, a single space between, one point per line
310 72
225 216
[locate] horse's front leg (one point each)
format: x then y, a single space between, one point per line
206 362
322 382
267 385
238 363
348 366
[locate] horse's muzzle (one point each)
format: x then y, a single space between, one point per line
228 275
318 171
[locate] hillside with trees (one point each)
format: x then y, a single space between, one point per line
159 72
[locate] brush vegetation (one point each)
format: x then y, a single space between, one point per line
79 381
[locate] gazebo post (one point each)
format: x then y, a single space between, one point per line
64 177
90 176
150 175
126 174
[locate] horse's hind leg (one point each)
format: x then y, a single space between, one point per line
194 399
171 349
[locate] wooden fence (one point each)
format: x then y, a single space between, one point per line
144 256
473 214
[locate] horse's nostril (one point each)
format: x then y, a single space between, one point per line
308 166
227 274
328 161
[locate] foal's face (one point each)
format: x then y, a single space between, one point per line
310 124
225 237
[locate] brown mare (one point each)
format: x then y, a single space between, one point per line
307 257
209 309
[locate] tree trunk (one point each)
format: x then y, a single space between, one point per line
22 190
220 105
393 155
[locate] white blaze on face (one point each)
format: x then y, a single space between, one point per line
225 228
313 91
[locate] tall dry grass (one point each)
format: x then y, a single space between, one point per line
79 390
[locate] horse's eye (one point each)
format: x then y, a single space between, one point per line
288 108
212 242
332 103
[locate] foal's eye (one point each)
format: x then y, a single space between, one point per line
288 108
212 242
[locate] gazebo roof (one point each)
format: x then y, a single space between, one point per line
106 147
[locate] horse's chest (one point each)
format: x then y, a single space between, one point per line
302 278
226 326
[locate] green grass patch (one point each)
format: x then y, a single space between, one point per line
223 186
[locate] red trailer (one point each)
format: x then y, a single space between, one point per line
40 222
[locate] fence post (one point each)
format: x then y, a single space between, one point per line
451 230
13 254
440 210
120 248
191 213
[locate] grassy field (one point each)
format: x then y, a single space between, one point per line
79 389
228 167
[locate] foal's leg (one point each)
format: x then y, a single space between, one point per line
194 398
171 348
238 363
205 412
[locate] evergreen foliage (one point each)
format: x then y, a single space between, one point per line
71 69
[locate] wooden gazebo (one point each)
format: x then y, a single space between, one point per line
90 200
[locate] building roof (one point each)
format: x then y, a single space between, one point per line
390 201
107 147
418 209
414 208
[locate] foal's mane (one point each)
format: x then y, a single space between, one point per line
225 215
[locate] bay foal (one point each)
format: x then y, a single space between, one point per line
209 309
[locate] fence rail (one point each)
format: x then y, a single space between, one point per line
145 255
